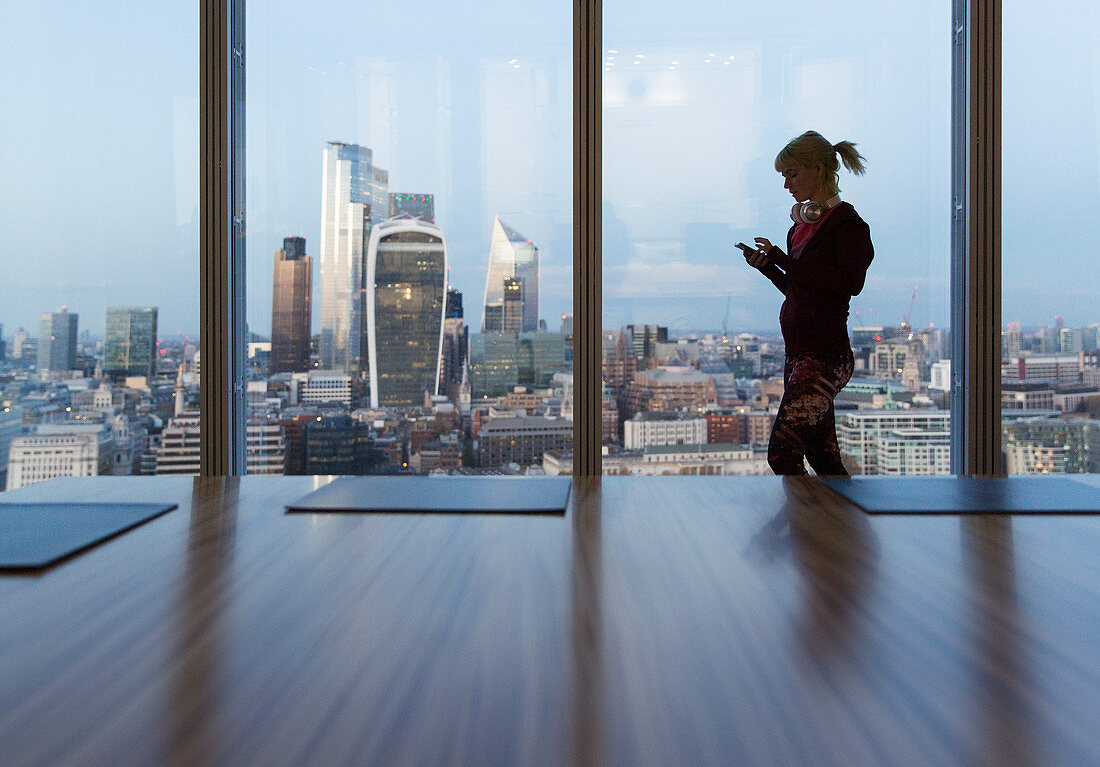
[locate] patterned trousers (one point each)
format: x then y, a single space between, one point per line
805 425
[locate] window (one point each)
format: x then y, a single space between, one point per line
99 289
409 235
1050 374
697 102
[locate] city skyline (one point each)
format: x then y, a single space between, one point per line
484 129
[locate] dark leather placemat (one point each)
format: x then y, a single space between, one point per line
36 535
968 495
514 495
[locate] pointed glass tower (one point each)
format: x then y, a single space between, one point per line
512 257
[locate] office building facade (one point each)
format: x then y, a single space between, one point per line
130 342
57 341
291 302
354 197
420 206
407 272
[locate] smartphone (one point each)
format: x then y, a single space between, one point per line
747 250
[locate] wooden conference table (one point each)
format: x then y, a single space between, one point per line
661 621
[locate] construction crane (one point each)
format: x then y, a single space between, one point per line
909 314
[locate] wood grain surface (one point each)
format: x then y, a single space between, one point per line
661 621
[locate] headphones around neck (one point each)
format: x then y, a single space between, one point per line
811 212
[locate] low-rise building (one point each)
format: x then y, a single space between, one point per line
859 432
521 439
656 428
74 451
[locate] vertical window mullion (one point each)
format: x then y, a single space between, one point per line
222 342
976 238
587 234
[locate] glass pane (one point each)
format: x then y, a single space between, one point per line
698 101
99 288
409 237
1050 374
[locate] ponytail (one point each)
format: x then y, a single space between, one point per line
852 159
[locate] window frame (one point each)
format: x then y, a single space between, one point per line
975 237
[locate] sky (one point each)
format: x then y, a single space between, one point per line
99 148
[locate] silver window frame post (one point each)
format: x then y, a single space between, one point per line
976 239
587 237
222 340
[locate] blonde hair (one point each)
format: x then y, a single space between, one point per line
811 148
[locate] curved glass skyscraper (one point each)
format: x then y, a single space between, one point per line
407 275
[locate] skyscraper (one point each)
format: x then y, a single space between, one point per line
291 298
415 205
512 312
353 199
511 256
455 341
57 340
407 270
130 347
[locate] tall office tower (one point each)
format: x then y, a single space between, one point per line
57 341
511 320
455 343
511 255
415 205
407 269
291 298
454 304
353 199
131 342
18 340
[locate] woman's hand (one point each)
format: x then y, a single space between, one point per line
758 258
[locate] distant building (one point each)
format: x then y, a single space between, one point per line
725 426
674 386
716 459
420 206
338 444
11 427
354 199
1065 368
511 257
406 295
178 453
76 451
57 341
912 451
522 440
896 441
319 387
130 342
1027 395
659 429
941 376
18 341
499 362
1051 445
291 302
455 344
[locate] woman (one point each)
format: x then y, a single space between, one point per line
828 252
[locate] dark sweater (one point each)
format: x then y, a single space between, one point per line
821 281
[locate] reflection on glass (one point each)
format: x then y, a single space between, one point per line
698 101
1050 366
99 293
414 183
